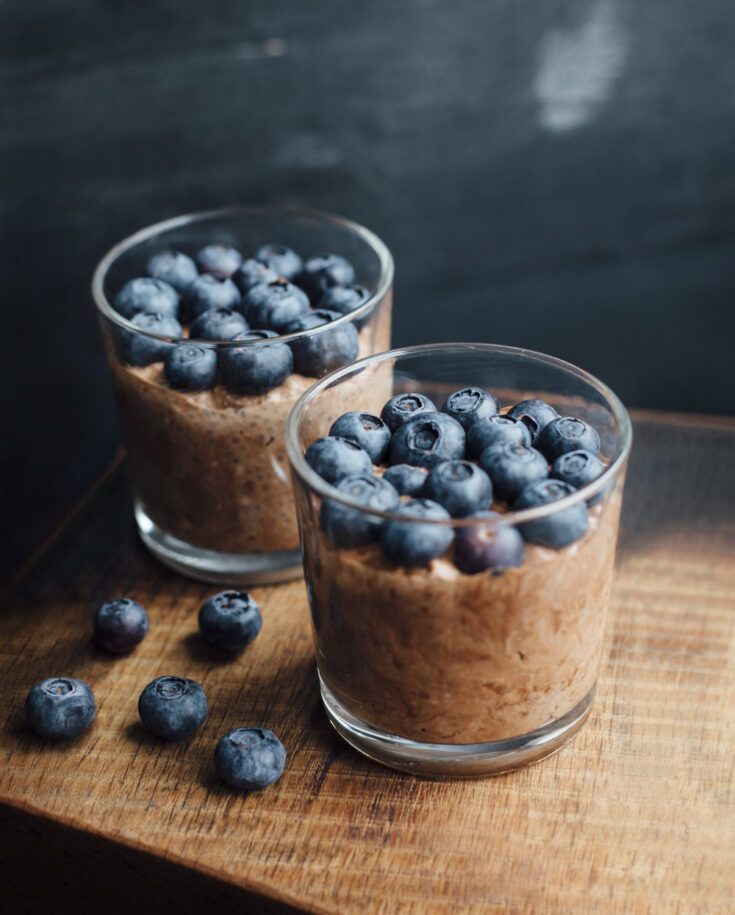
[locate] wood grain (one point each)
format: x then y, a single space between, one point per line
636 815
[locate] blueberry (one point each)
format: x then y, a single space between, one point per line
120 625
190 366
249 758
535 414
221 260
427 440
345 299
274 305
487 546
173 267
469 405
567 434
148 295
408 480
336 458
321 272
218 324
365 430
511 466
348 528
283 261
495 430
578 468
207 292
138 349
230 620
257 368
411 543
316 354
460 486
405 406
252 273
557 530
60 707
172 707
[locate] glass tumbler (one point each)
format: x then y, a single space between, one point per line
480 651
212 494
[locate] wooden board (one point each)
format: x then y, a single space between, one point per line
636 814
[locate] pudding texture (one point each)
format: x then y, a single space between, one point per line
210 467
438 656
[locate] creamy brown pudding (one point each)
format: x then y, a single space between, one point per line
459 550
439 656
210 467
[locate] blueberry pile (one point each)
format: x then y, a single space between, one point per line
467 460
171 707
220 295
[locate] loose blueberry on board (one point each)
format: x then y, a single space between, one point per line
320 273
190 367
345 299
460 486
258 368
408 480
365 430
411 543
218 324
173 267
559 529
578 468
405 406
535 414
148 295
249 758
487 546
230 620
274 305
427 440
207 292
348 528
137 349
172 707
60 707
567 433
469 405
282 260
251 273
495 430
512 466
120 625
336 458
316 354
221 260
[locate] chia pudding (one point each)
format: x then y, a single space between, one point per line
459 558
211 339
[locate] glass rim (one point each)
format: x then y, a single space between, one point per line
325 490
378 246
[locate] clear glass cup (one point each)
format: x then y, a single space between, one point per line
431 670
212 494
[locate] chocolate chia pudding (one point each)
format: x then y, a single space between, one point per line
210 466
458 549
439 656
214 325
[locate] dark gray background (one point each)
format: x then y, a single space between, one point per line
552 174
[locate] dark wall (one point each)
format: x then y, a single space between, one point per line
552 174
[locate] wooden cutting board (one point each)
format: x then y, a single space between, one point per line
636 814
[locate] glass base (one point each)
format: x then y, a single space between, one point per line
454 760
212 565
